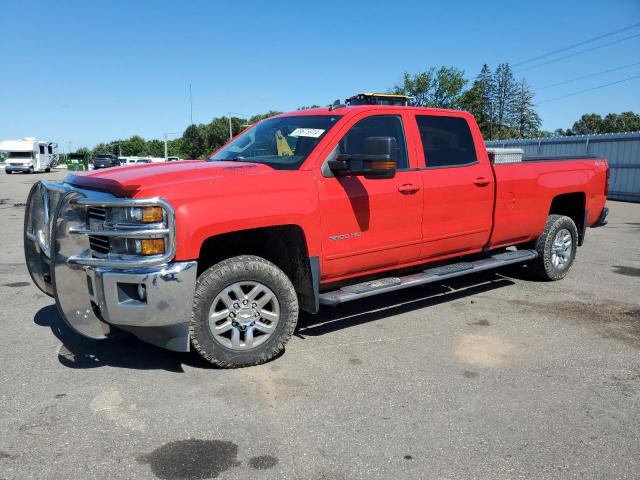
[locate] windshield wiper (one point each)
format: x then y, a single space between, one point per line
233 159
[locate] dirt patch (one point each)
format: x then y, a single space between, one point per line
192 459
482 350
611 319
355 361
481 323
469 374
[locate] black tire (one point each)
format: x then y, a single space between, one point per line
7 172
245 268
543 267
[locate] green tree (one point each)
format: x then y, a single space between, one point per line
155 148
528 120
505 103
477 100
589 123
442 88
134 146
624 122
193 142
262 116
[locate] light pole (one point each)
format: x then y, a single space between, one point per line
239 117
166 137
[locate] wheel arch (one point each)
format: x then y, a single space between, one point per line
284 245
572 205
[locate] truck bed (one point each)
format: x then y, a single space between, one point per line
525 191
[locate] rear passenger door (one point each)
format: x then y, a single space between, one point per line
458 187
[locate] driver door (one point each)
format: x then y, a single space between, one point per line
369 224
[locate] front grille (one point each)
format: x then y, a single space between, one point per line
99 213
98 244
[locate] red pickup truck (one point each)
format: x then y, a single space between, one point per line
310 208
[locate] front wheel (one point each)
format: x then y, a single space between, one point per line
556 248
244 312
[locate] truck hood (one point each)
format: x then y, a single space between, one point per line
134 180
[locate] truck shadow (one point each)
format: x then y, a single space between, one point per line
378 307
123 350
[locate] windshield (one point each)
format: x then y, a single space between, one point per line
20 155
282 143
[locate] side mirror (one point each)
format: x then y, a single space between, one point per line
378 160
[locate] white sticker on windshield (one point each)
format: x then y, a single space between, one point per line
307 132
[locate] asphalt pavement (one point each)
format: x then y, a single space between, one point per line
491 376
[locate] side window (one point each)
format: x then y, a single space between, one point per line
41 148
378 126
446 141
50 149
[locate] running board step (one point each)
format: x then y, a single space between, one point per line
430 275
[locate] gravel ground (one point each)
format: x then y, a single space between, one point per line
491 376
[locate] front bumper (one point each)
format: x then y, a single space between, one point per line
17 168
151 301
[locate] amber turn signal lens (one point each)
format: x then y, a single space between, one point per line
379 165
152 214
152 246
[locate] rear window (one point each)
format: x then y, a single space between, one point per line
446 141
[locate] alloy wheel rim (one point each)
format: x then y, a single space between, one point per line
244 315
561 249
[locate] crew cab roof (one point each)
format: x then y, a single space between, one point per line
351 109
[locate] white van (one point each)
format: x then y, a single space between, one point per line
29 155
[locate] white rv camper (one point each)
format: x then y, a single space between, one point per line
29 155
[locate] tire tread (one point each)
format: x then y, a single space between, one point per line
207 282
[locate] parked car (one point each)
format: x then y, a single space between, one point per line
105 160
143 160
314 207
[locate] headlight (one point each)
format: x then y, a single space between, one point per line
133 215
144 230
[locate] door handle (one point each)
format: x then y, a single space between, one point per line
482 182
408 189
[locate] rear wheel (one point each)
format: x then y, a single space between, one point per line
245 310
556 248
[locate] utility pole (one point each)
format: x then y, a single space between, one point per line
522 110
491 121
230 127
166 137
190 105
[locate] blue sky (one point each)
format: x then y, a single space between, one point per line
85 72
